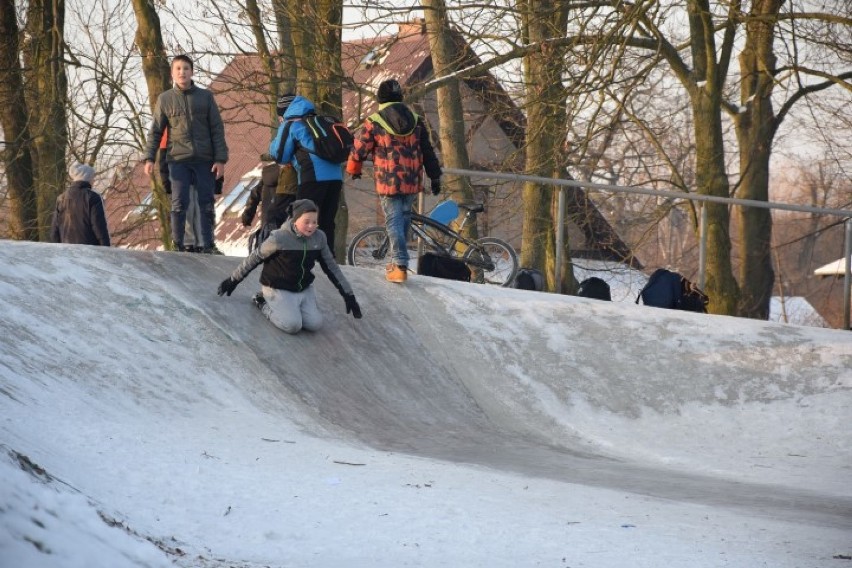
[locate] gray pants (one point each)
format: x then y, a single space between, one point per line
292 311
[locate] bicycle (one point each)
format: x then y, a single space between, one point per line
491 260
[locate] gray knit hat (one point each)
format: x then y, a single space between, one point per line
81 172
302 206
284 102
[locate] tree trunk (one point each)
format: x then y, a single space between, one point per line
47 104
149 40
317 44
266 59
452 130
545 137
710 173
158 76
285 52
17 160
711 179
755 132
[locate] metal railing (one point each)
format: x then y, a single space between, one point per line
702 251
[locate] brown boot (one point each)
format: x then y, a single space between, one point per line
396 273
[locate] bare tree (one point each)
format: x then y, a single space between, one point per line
17 158
543 20
446 58
155 66
45 89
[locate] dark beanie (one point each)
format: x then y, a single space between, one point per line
390 91
283 102
302 206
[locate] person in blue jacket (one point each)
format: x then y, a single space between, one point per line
320 181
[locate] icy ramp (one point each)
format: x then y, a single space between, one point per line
683 406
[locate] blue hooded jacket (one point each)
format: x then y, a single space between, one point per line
293 144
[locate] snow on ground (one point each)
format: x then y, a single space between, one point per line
146 422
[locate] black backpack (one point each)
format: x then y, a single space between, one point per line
430 264
529 279
594 287
667 289
332 140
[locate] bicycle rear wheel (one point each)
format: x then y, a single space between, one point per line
369 249
493 261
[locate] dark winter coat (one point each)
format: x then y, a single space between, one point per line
289 258
401 148
196 130
268 195
79 217
293 144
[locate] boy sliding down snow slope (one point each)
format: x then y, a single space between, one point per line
288 256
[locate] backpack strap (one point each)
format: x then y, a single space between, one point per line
284 137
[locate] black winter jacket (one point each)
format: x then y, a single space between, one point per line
79 217
273 205
289 258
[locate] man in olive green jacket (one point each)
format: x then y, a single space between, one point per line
197 151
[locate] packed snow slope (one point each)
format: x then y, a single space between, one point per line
703 410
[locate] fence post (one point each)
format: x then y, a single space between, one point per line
847 276
560 236
702 246
420 204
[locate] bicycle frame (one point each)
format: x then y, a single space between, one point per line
418 221
491 260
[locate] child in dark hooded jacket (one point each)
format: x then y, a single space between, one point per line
79 216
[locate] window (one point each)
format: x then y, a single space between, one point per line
374 57
146 208
234 202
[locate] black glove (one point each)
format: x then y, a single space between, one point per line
436 186
356 176
352 305
227 286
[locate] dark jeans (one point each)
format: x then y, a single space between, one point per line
184 175
326 194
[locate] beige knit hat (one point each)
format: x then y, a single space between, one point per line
81 172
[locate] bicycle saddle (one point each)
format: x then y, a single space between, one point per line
473 207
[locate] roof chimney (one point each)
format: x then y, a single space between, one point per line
413 27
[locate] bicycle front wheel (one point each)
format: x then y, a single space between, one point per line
369 249
493 261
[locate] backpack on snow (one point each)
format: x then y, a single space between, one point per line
667 289
430 264
529 279
594 287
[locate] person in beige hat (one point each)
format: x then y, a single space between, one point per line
79 217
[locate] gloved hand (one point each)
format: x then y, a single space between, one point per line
352 305
227 286
356 176
436 186
247 217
